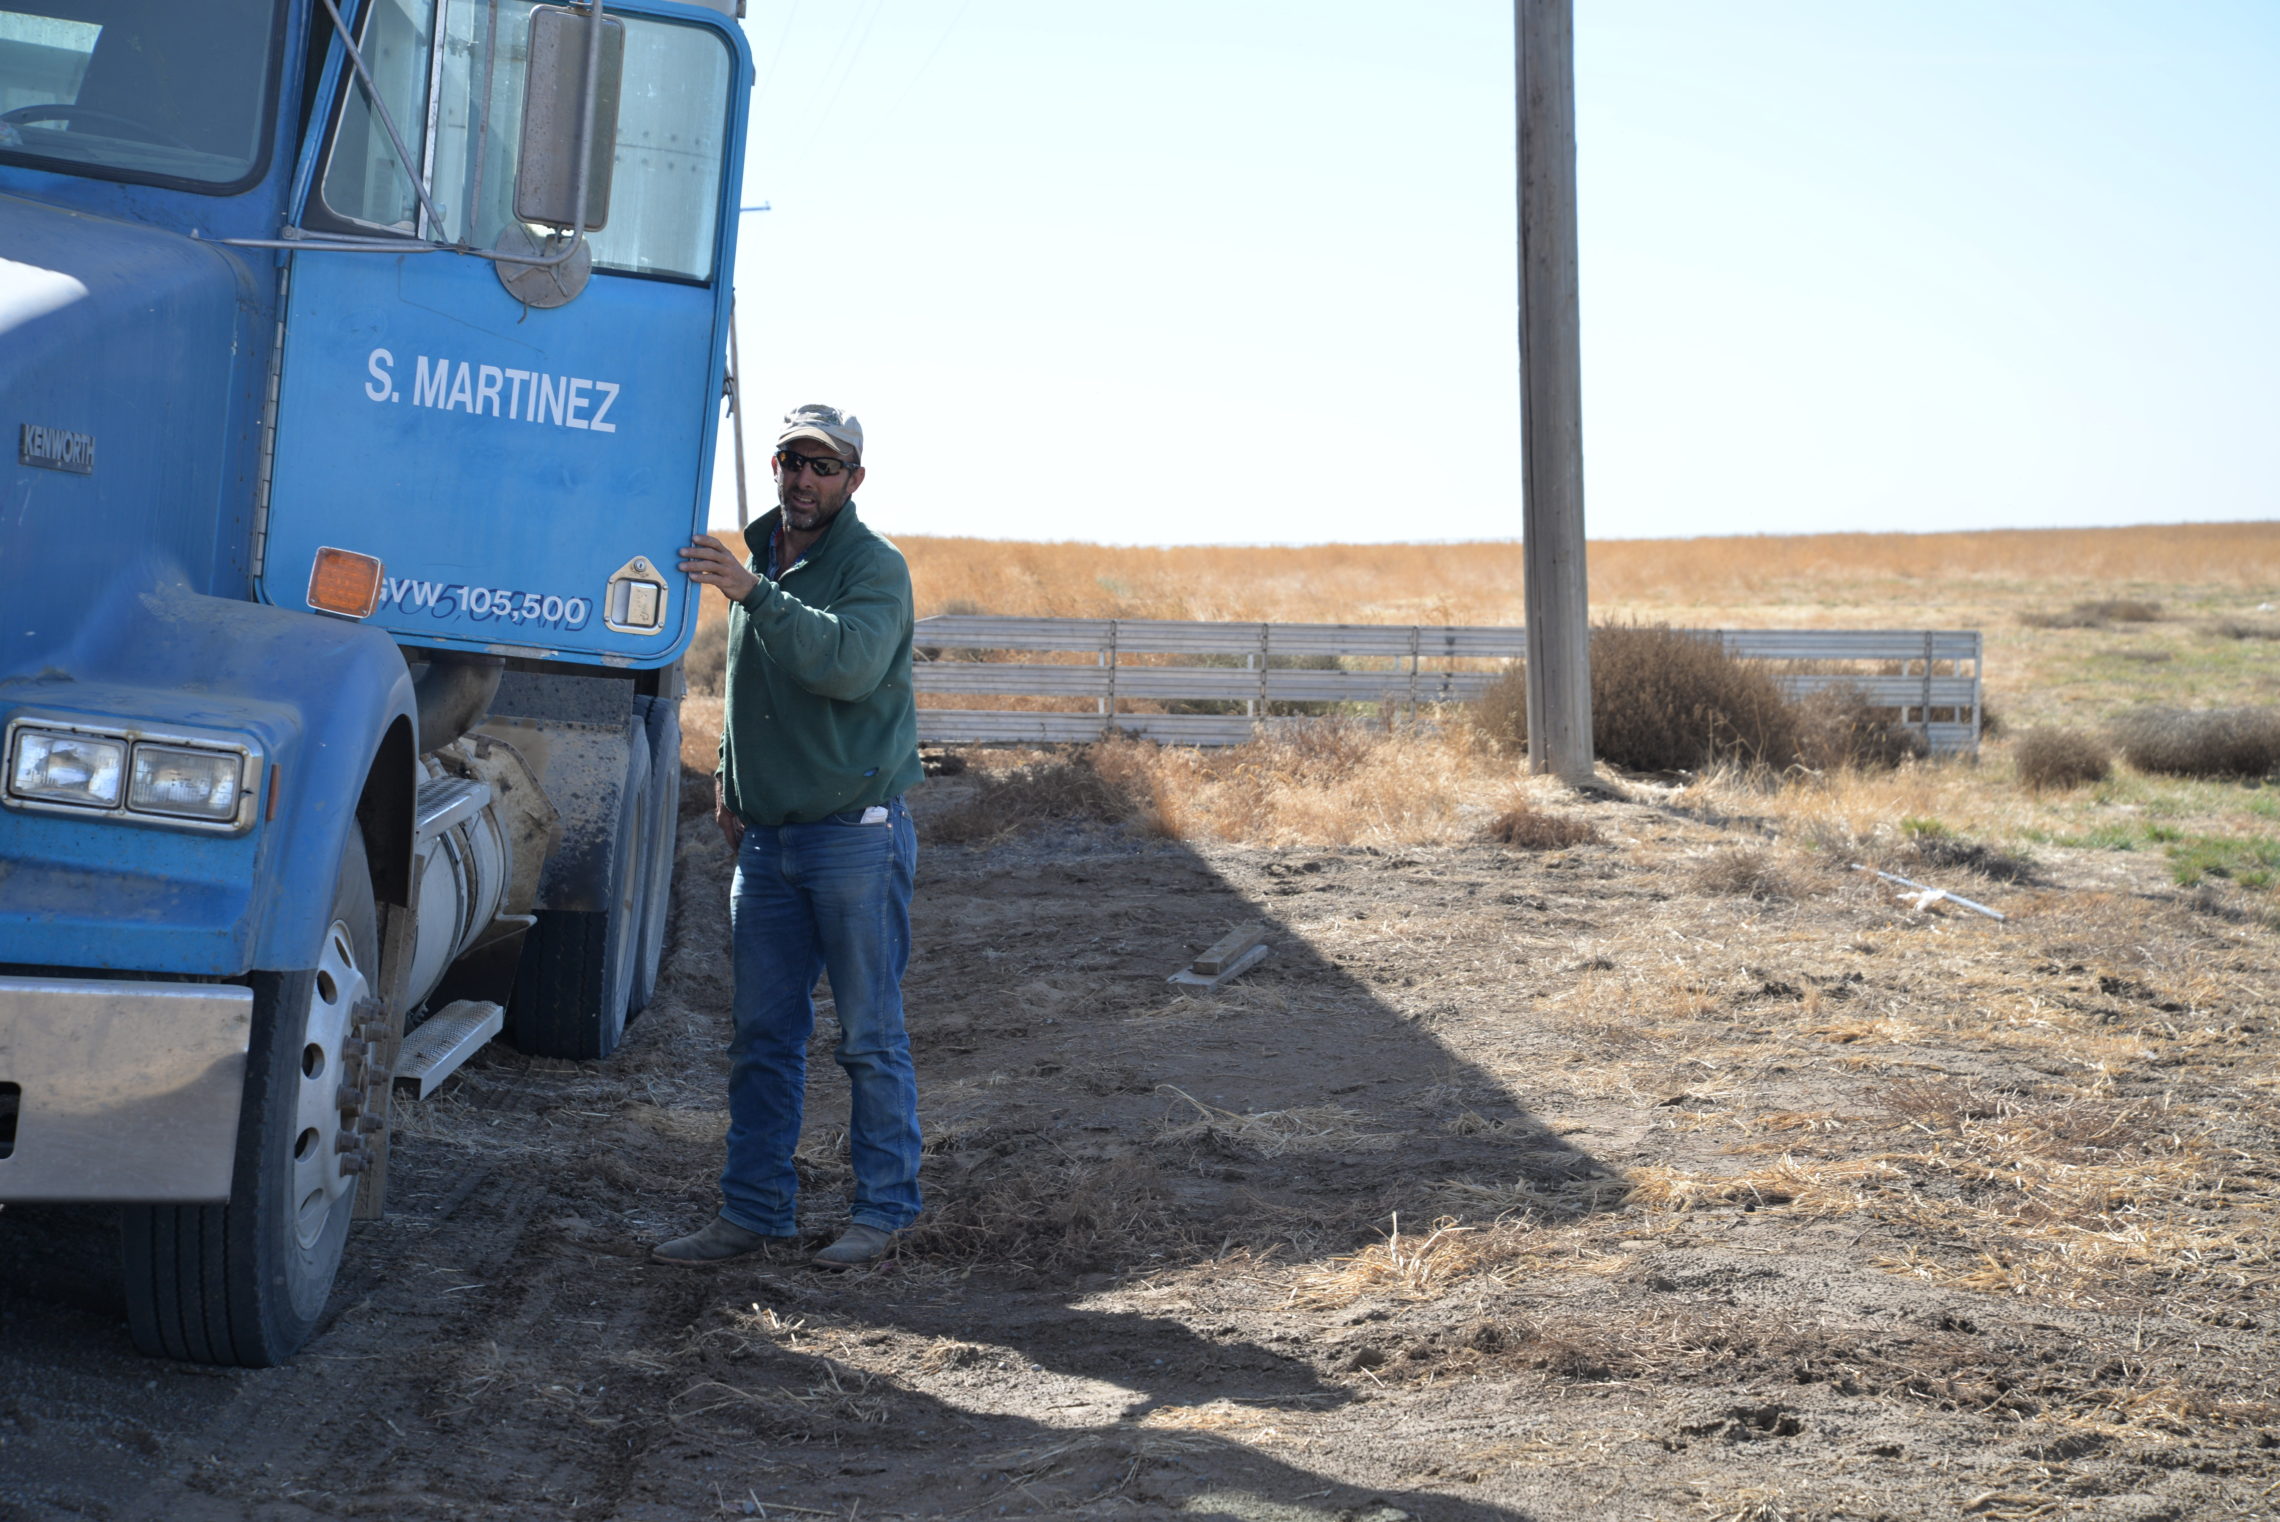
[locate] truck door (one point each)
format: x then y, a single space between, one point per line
523 472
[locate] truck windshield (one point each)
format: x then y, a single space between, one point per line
453 75
156 90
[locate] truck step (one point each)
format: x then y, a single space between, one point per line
444 1040
443 802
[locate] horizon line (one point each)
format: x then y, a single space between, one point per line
1799 534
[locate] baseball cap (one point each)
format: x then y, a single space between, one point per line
839 432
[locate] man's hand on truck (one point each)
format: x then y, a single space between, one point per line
711 562
731 827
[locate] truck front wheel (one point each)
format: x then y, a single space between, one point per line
245 1282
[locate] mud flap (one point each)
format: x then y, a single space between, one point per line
664 825
575 983
398 934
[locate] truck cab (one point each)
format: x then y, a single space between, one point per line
364 362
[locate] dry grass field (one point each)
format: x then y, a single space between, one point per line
1832 579
2081 627
1621 1155
2206 582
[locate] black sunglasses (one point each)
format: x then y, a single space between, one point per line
822 467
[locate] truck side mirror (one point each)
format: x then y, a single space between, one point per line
554 99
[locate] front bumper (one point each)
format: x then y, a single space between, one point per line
123 1091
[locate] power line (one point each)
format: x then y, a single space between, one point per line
816 130
939 43
777 57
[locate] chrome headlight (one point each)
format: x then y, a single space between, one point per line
81 770
185 782
193 780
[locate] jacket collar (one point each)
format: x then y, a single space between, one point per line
817 551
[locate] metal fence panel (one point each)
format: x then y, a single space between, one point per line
1224 683
1453 641
970 726
1421 670
1012 678
1889 691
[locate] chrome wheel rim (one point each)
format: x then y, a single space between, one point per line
332 1091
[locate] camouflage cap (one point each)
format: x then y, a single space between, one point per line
839 432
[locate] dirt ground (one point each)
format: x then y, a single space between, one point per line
1684 1174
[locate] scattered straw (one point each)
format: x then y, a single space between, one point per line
1806 1187
1274 1133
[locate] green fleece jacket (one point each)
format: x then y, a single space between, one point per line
820 716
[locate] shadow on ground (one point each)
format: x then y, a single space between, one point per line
1109 1160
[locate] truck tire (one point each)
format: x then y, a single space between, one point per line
664 827
575 983
244 1283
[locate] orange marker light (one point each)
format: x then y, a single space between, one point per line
345 582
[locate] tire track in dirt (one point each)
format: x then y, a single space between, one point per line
328 1436
471 1259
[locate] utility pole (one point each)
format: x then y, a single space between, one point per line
1551 396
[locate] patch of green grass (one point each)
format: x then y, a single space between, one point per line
2187 798
1917 827
2249 862
2230 669
2159 833
2105 838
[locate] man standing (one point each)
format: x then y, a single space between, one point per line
818 743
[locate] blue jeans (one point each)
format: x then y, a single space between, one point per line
813 898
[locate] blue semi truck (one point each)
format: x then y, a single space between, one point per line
364 361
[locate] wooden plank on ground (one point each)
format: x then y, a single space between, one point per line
1227 949
1188 977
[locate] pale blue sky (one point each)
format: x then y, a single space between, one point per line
1202 273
